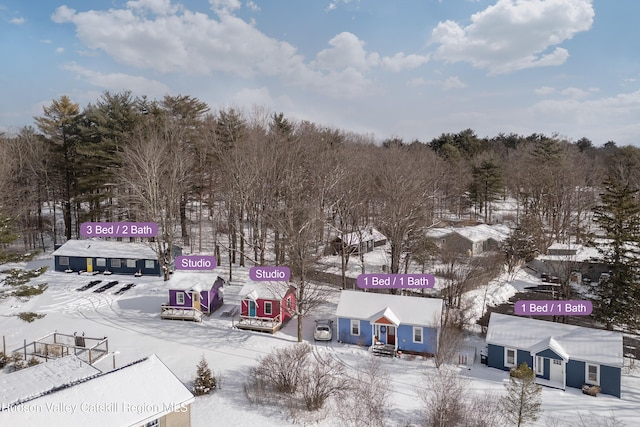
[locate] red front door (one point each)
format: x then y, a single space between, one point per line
391 335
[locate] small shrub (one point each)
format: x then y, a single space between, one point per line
205 381
25 291
33 361
29 316
3 360
17 361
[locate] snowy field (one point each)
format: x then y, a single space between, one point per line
132 323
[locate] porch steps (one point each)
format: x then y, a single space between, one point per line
386 350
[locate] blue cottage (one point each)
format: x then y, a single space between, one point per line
98 256
561 355
400 323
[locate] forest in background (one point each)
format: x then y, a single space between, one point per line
271 190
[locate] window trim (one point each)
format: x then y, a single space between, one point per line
420 330
180 298
63 260
506 357
356 323
539 365
268 307
586 373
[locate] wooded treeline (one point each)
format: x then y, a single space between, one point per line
260 188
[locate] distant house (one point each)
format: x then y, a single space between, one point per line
470 240
563 258
395 322
68 392
561 355
192 295
357 242
266 306
93 256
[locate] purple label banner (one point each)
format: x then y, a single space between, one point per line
119 229
553 308
195 262
270 273
395 281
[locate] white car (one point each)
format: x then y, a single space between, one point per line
324 330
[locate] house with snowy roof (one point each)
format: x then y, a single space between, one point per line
471 240
99 256
69 392
561 355
192 295
357 242
389 322
266 306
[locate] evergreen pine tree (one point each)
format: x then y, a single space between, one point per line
617 297
524 397
205 381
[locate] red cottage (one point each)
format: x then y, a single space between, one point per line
266 306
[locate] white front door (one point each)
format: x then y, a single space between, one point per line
556 371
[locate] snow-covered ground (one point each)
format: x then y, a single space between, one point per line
132 323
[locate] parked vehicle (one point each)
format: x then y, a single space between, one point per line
323 330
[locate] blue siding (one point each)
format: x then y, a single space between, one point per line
405 340
524 357
344 332
610 380
575 373
549 354
495 356
80 264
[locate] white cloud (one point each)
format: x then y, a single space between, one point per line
17 21
261 97
60 50
346 51
46 41
120 81
159 7
575 93
334 4
514 34
400 61
253 6
225 6
451 82
544 90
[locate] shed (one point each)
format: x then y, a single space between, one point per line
266 306
193 294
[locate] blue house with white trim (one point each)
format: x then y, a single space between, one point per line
94 255
561 355
404 323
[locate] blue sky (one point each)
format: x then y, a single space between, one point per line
408 68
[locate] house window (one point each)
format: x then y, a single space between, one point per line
509 357
101 262
180 298
63 260
355 327
592 374
149 263
267 307
131 263
539 365
417 334
116 263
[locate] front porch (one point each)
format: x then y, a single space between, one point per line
261 324
387 350
180 313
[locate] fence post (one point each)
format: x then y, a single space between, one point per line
4 345
25 350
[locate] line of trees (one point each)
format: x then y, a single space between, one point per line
260 188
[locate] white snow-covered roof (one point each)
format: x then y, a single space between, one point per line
33 381
264 290
106 249
197 281
130 396
483 232
579 253
407 310
569 341
439 232
366 235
